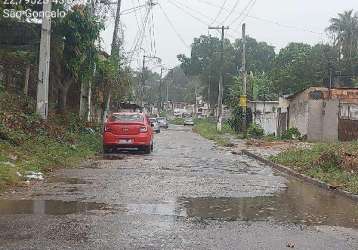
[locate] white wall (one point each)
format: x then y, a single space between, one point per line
265 114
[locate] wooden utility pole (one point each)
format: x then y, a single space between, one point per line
243 98
44 63
221 81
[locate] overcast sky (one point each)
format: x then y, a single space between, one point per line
277 22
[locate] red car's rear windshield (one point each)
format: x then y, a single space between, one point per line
127 118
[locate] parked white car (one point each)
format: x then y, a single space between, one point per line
189 121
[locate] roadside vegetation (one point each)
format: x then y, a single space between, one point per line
29 144
207 129
177 121
333 163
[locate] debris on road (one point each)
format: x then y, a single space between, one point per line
290 245
31 175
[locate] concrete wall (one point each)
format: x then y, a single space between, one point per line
265 114
322 120
298 115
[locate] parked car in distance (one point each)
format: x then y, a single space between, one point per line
155 125
128 130
189 121
163 123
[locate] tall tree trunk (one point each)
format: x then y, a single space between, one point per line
83 100
106 108
63 93
27 78
89 103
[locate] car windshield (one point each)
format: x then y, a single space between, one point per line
161 119
153 120
127 118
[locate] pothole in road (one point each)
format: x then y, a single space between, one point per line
49 207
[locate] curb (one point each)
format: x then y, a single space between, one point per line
308 179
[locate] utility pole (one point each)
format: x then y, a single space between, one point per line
243 98
143 83
221 81
44 63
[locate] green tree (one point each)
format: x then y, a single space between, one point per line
80 31
293 69
344 29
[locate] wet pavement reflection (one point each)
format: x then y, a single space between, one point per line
48 207
299 204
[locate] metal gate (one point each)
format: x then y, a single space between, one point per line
347 130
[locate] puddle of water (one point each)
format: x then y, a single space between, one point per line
48 207
298 204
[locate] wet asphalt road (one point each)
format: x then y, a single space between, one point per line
188 194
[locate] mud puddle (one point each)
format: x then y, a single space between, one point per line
298 204
48 207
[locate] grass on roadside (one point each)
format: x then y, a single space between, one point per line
177 121
333 163
29 144
207 129
43 154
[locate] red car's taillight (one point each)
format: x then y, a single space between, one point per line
143 129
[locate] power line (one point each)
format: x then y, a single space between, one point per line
193 16
188 13
220 11
153 30
262 19
285 25
232 11
131 10
247 13
140 34
196 11
242 12
173 27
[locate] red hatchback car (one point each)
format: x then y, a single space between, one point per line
128 130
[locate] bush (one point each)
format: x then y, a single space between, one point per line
291 134
236 119
255 131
